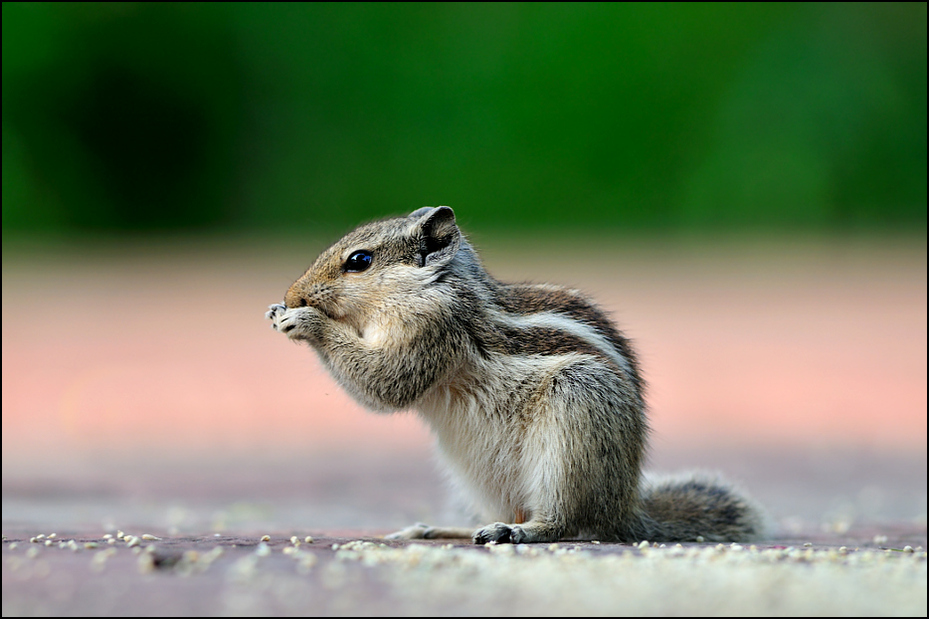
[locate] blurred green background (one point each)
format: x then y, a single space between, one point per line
252 117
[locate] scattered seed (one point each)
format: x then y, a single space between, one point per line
99 561
148 536
308 539
908 549
306 563
213 554
266 538
146 564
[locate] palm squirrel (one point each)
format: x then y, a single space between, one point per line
533 394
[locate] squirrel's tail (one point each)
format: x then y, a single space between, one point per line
699 507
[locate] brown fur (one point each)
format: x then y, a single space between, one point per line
534 395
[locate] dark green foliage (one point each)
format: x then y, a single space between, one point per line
290 116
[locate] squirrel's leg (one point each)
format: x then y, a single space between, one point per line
579 458
423 531
538 477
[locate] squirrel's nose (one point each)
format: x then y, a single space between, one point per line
295 296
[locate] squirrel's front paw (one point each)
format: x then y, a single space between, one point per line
276 315
281 318
297 323
274 311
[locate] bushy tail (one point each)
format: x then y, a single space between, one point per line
699 507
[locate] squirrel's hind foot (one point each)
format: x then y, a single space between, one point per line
424 531
526 533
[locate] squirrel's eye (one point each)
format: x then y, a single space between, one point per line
357 262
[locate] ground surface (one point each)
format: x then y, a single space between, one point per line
361 575
144 393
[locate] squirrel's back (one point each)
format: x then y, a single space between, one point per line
534 395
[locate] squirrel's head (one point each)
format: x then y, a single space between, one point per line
379 264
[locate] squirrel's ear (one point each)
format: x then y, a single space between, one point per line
420 212
439 235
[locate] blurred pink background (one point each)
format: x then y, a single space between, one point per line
161 350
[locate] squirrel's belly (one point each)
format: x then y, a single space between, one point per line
492 481
490 432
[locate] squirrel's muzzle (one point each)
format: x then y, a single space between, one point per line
296 296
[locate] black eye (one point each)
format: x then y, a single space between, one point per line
357 262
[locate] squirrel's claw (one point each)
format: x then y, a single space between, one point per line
274 309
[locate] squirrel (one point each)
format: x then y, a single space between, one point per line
534 396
